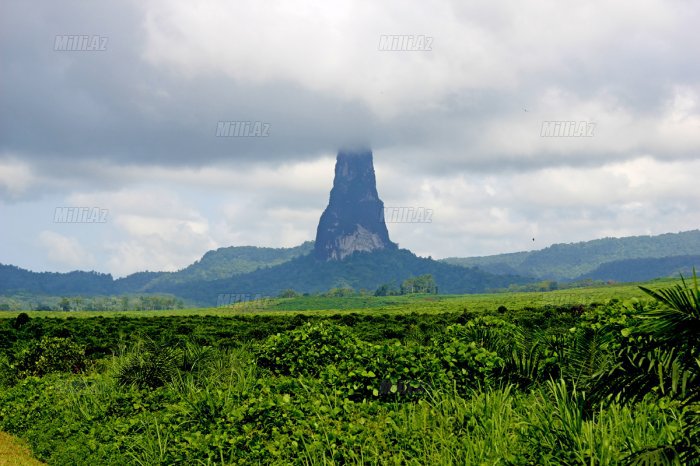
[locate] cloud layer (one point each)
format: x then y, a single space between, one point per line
456 128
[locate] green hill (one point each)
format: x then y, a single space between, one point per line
574 260
214 265
228 262
635 270
361 270
221 272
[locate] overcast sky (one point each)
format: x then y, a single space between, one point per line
455 127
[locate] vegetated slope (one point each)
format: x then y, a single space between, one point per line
570 261
14 279
361 270
635 270
230 261
222 263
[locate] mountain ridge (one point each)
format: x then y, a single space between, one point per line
569 261
394 265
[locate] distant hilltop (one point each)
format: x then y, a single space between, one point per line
632 258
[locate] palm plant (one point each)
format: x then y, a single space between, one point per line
678 321
148 365
662 357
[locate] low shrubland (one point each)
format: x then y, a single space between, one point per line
615 383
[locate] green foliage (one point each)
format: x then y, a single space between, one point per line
50 354
525 386
661 359
387 290
303 351
148 365
420 284
289 293
21 320
386 371
678 320
8 374
466 361
340 292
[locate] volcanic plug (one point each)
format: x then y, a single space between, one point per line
354 218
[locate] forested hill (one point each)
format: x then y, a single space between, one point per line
228 262
302 273
362 270
214 265
575 260
268 270
639 270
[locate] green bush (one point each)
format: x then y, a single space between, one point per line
490 332
386 371
470 365
305 350
21 319
50 354
379 389
8 374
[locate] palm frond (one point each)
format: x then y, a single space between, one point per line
664 455
680 318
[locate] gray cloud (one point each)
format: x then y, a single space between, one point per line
461 120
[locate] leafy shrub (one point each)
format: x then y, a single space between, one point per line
490 332
386 371
29 403
661 358
21 319
8 374
470 365
305 350
50 354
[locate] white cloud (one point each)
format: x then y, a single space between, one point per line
65 252
16 177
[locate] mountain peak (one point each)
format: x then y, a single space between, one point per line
353 220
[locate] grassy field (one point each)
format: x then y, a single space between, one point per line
390 304
14 453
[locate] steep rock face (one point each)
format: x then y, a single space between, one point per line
353 220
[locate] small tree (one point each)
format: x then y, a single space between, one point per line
64 304
421 284
288 293
386 290
50 354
